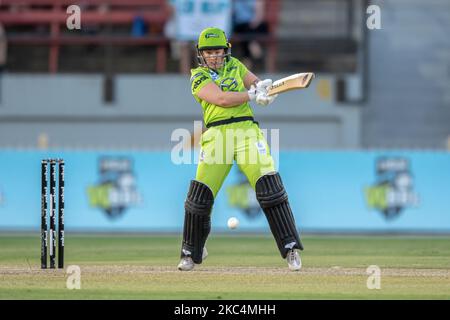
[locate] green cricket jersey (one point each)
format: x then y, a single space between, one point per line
229 78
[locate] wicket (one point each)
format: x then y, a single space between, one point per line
48 237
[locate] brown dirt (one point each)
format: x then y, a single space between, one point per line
133 269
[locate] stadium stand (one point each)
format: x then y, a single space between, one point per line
319 34
270 40
155 13
52 13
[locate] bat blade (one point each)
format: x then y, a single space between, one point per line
293 82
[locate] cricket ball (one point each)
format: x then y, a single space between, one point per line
233 223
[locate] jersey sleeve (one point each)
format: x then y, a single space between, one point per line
198 80
242 69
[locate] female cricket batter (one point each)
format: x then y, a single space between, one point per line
224 87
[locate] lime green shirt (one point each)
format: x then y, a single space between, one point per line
229 78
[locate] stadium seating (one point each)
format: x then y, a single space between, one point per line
154 13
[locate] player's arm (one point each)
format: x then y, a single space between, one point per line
250 79
211 93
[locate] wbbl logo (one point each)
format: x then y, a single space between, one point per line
116 190
393 190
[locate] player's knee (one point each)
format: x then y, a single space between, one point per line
200 198
270 190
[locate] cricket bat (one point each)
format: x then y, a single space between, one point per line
294 82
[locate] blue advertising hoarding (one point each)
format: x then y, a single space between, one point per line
144 191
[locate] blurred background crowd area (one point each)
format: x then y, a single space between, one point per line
387 87
144 36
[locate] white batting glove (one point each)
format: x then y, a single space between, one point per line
264 85
252 92
263 99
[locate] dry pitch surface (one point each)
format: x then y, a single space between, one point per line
238 267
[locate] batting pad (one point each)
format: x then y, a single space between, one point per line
273 199
197 220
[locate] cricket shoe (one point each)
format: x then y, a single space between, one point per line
293 260
187 264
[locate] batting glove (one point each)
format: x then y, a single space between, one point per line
252 93
264 100
264 85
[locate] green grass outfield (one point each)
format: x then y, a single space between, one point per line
238 267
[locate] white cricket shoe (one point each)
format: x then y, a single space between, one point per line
187 264
293 260
205 253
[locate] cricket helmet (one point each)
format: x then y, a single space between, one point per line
212 38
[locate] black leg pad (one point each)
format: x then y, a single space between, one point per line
274 201
197 220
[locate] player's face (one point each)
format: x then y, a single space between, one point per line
214 58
